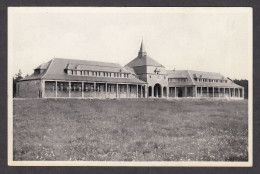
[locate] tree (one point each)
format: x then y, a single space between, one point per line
243 83
17 77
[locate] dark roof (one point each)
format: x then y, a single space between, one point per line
103 68
43 66
56 71
190 73
145 60
180 74
207 75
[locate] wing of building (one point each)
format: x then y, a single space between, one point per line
141 78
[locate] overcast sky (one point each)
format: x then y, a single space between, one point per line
205 39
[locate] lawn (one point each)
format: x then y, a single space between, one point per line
130 130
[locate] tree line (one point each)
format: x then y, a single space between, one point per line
243 83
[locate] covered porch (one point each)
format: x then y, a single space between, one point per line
84 89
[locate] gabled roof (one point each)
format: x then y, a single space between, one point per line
189 74
56 71
143 61
180 74
103 68
207 75
43 66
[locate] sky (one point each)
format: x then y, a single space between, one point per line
204 39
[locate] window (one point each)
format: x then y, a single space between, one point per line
87 88
61 87
177 79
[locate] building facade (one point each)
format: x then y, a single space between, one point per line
141 78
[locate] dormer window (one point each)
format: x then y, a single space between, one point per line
37 71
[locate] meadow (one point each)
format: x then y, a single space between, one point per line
130 130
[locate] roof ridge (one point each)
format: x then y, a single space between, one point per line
48 68
88 61
206 72
191 77
100 65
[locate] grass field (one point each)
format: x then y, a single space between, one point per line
130 129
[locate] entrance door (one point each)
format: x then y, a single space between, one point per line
157 90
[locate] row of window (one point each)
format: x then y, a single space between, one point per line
158 76
98 73
210 80
177 79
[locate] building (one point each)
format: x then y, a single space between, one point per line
141 78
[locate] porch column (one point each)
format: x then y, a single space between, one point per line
162 92
43 88
117 90
213 92
127 95
56 85
185 88
106 91
152 92
141 91
175 91
69 88
239 92
146 91
201 92
136 91
167 91
224 95
207 91
95 90
229 92
195 91
243 93
82 90
218 92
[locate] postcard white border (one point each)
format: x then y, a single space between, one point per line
247 10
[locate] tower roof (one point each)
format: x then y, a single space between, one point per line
142 48
143 59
